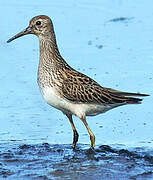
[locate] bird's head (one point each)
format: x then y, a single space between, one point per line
39 25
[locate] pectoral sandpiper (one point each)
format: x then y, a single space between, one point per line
66 89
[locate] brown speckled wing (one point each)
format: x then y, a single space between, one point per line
79 88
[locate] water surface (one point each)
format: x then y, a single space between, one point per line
112 42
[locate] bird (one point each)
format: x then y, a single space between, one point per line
67 89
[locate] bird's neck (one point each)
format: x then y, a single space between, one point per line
48 60
49 53
48 47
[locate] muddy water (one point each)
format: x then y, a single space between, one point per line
45 161
112 42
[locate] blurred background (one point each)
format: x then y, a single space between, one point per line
111 41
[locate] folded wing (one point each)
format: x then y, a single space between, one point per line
79 88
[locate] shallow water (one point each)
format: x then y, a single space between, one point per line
44 161
112 42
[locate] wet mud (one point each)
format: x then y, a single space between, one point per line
45 161
119 55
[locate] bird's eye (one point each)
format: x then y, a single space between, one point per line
38 23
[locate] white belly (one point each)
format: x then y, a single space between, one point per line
79 109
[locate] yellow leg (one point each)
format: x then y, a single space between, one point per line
75 133
92 136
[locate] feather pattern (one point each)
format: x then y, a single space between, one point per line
80 88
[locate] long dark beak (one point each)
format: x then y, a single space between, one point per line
28 30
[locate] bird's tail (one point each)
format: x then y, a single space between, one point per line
132 100
127 96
